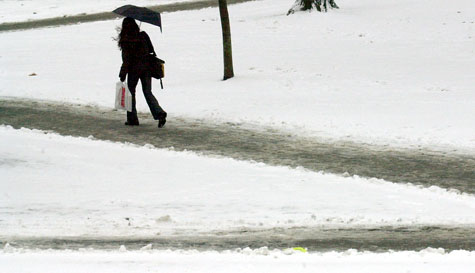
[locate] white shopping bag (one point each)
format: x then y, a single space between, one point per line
123 98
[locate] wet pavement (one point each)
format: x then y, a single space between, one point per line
314 239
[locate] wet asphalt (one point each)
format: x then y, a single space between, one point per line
314 239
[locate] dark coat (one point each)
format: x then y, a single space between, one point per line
134 55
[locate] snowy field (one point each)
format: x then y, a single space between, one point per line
244 261
388 72
52 186
396 73
26 10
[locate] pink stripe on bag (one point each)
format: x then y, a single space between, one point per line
122 97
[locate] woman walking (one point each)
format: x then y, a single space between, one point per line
136 46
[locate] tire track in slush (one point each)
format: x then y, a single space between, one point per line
314 239
273 147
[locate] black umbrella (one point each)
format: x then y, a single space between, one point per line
141 14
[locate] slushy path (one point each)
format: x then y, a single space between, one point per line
422 167
314 239
101 16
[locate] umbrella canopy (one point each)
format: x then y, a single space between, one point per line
141 14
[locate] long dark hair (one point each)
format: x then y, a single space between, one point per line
129 31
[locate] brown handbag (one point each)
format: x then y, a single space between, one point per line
157 68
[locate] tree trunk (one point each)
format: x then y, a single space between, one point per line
227 47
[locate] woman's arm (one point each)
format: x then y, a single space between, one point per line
149 43
124 69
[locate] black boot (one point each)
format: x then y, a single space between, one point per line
132 119
132 122
162 119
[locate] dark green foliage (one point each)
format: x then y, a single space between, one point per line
320 5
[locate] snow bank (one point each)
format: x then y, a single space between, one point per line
64 186
275 261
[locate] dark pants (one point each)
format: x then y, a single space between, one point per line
146 81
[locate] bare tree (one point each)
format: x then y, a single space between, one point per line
227 47
320 5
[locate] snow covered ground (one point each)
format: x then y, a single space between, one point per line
64 186
56 185
260 260
393 72
381 72
23 10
